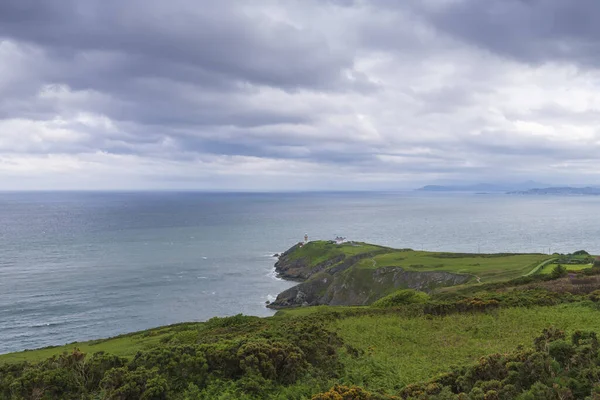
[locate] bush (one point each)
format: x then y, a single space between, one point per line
141 384
581 253
339 392
558 272
277 361
182 365
402 297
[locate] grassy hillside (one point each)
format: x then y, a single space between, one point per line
530 337
403 348
397 350
381 349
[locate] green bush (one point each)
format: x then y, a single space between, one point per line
140 384
277 361
558 272
402 297
181 365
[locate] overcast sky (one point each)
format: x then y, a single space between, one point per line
306 94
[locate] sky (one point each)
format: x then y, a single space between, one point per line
297 94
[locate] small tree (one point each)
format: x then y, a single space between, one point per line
558 272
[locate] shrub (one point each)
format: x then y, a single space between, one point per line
181 365
141 384
339 392
402 297
278 361
558 272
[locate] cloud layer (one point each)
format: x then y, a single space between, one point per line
305 94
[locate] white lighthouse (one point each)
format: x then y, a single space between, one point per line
306 238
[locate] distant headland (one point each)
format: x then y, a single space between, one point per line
525 188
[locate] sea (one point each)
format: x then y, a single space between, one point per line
84 265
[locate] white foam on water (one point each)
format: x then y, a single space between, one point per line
271 298
270 254
273 274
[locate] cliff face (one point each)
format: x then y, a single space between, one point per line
339 280
362 286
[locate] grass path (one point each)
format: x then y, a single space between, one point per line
540 266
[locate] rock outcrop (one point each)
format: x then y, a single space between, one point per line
362 286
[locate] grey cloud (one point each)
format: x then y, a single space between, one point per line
215 37
534 31
270 80
156 67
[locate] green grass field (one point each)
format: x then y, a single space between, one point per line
124 345
488 267
547 269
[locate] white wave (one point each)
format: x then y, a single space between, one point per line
273 274
270 254
201 277
271 298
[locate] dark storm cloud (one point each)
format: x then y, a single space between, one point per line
534 31
213 36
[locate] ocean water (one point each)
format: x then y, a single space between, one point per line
79 266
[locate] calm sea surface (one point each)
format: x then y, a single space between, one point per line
77 266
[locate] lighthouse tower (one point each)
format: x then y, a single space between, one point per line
306 238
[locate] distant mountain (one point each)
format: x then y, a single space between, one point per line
566 190
483 187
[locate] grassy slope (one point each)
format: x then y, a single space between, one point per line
319 251
395 349
489 267
401 350
123 345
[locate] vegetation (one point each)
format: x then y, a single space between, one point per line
302 352
402 297
528 337
319 251
488 267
